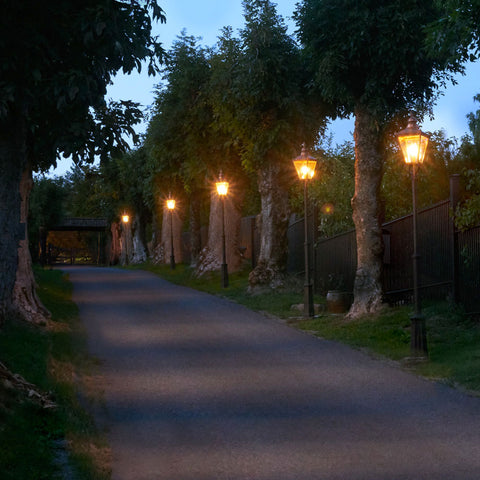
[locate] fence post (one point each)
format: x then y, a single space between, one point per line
454 199
252 242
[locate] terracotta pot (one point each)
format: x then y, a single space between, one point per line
338 301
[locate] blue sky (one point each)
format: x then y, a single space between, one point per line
206 18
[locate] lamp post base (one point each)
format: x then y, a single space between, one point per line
308 308
418 339
172 262
224 275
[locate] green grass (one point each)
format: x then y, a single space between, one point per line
276 303
453 338
52 358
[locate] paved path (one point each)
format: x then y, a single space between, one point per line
198 388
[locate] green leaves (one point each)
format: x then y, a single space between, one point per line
62 56
370 52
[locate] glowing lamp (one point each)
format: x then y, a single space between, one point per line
171 204
305 165
125 218
414 145
413 142
222 188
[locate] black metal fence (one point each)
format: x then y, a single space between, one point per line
435 231
469 269
449 260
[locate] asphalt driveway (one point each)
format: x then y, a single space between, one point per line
200 388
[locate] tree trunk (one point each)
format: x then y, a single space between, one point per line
366 215
211 256
139 252
126 243
273 223
25 299
12 164
195 228
171 225
115 243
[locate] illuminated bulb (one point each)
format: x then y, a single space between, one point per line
222 188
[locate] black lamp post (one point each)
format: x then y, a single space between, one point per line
305 166
413 143
126 220
171 208
222 190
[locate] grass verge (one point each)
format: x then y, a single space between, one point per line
34 441
276 303
453 338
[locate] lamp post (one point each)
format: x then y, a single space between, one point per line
171 208
126 220
222 190
305 166
413 143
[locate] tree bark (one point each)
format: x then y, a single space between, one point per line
126 243
211 256
273 223
139 252
115 243
195 228
12 165
166 243
25 299
366 215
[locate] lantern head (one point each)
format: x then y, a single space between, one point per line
305 165
222 185
413 142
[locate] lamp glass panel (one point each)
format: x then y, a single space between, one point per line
305 168
171 204
222 188
413 147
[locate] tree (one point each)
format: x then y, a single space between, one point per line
179 143
467 213
186 144
432 177
132 173
46 207
261 101
456 33
369 61
333 187
62 56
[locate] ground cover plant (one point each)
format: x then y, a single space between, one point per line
59 442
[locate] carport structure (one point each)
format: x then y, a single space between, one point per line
79 248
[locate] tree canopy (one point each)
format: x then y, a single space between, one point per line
63 55
370 59
61 58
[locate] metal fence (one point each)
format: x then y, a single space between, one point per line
449 260
469 269
435 249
